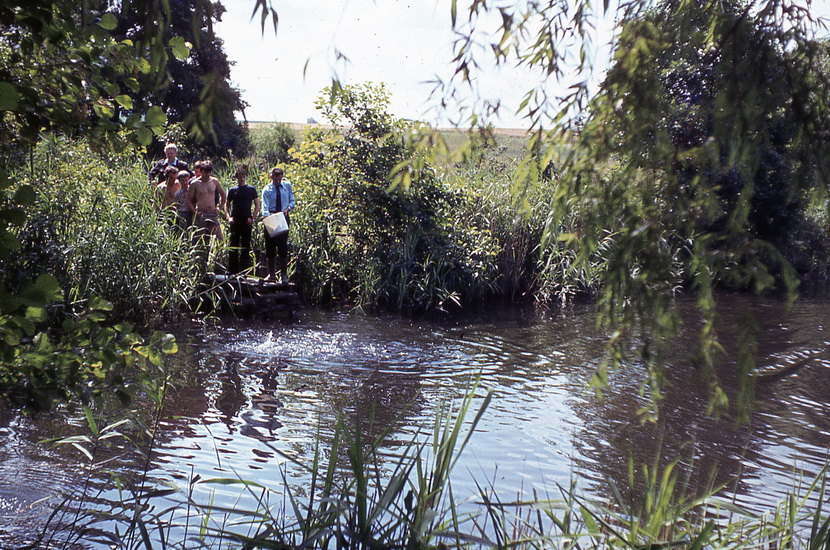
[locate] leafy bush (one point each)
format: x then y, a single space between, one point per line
271 144
364 242
53 347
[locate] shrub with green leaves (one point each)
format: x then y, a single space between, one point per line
363 241
272 144
51 349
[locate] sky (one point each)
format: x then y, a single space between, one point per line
405 44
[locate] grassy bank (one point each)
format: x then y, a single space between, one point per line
96 226
458 237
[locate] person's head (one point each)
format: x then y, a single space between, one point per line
184 177
276 174
170 173
207 169
170 151
241 175
197 168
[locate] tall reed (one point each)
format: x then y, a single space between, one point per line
362 497
96 225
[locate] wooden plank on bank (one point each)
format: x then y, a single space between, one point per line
255 296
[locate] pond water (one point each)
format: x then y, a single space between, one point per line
259 394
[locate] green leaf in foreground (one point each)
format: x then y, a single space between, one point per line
108 22
8 97
50 287
155 117
179 47
125 101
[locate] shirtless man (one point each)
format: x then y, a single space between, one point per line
169 187
202 201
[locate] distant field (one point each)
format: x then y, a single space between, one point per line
517 132
512 139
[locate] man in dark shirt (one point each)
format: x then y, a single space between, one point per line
171 158
241 222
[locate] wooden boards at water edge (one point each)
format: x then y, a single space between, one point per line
255 296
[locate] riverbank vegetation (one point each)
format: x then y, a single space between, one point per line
467 227
458 238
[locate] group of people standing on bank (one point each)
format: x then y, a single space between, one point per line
199 200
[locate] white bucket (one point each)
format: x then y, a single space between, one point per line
275 224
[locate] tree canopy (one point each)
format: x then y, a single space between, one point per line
115 72
194 89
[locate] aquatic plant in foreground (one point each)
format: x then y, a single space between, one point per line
356 494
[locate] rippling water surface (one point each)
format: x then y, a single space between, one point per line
260 393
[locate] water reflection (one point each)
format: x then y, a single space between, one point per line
787 434
260 396
275 387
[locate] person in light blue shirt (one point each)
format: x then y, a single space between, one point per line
278 196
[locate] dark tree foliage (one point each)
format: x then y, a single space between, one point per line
686 88
98 68
195 90
62 72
